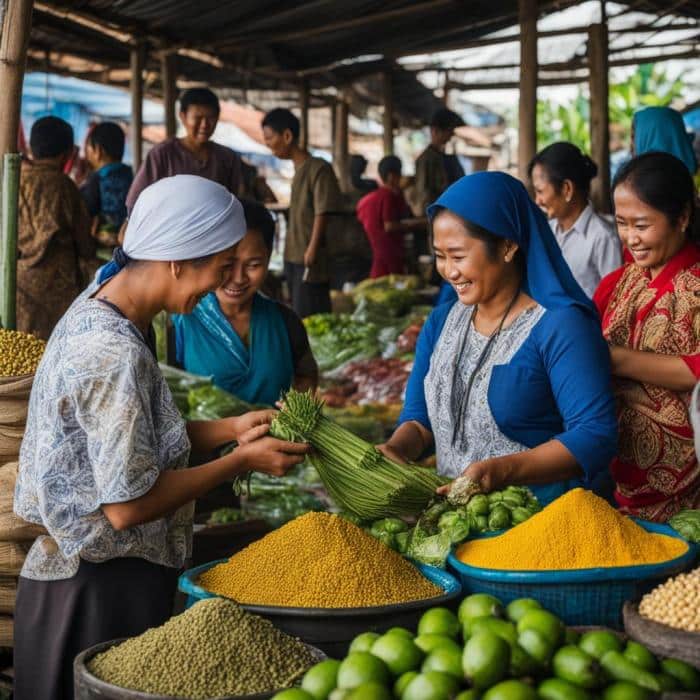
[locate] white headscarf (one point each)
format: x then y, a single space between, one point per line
181 218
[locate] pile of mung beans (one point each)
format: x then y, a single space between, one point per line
675 603
19 353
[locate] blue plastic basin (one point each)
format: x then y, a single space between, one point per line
581 596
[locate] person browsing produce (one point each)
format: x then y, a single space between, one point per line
252 346
650 310
102 464
497 381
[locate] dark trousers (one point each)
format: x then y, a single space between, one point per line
56 620
308 298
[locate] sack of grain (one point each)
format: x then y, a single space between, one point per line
12 556
14 529
7 629
8 478
14 399
10 441
8 594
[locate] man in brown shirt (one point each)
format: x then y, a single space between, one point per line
315 195
54 241
194 153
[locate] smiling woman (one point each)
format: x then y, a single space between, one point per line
650 312
102 466
496 384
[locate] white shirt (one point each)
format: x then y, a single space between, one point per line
591 248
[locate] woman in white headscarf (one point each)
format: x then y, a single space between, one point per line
102 462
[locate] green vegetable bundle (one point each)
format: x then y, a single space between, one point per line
358 477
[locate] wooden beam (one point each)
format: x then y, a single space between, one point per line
137 60
304 113
16 28
388 115
600 115
340 142
527 105
168 77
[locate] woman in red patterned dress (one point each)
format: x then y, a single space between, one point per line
650 311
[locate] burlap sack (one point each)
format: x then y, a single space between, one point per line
14 399
8 477
7 631
14 529
10 441
8 595
12 556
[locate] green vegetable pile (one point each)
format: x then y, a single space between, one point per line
226 516
213 649
491 652
393 295
687 525
443 525
358 478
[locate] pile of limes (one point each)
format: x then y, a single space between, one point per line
491 652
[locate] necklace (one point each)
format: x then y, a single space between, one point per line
463 404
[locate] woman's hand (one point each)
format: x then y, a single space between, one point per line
268 455
491 475
240 425
391 453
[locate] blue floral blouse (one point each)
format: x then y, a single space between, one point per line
102 426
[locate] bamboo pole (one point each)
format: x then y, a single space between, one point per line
600 116
527 107
8 237
168 69
341 145
304 113
388 116
137 61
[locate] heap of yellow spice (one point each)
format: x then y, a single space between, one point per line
318 561
577 531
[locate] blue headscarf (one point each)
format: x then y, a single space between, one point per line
500 204
663 129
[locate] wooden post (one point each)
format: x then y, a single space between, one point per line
137 61
388 117
341 145
168 75
527 108
16 26
600 118
8 240
304 113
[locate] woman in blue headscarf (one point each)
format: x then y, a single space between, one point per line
662 129
511 382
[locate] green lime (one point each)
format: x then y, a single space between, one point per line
502 628
402 682
544 622
401 631
445 660
321 679
293 694
620 668
558 689
517 608
340 694
361 667
479 605
510 690
521 663
370 691
626 690
486 659
539 648
598 642
398 653
576 666
363 642
432 685
472 694
684 673
430 642
639 655
439 621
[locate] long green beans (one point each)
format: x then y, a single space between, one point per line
358 477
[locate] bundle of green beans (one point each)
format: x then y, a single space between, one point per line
358 477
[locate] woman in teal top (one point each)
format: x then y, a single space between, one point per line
252 346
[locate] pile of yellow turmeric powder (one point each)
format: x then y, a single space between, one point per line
318 561
577 531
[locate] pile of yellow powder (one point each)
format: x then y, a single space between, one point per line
318 561
577 531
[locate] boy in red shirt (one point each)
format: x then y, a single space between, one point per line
380 212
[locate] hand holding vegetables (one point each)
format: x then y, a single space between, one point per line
247 427
269 455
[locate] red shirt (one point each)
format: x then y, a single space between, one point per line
373 211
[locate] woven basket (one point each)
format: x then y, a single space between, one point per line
8 594
12 556
7 630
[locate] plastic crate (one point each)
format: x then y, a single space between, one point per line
582 596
